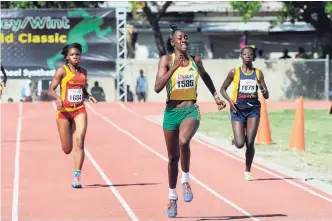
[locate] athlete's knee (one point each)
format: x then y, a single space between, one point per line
67 149
184 142
239 143
173 159
250 144
250 151
79 142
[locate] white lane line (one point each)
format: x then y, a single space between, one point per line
17 165
239 159
109 183
206 187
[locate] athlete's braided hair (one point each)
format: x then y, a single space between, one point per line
169 46
66 49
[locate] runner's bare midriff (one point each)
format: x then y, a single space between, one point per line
180 103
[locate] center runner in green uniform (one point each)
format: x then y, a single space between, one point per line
179 72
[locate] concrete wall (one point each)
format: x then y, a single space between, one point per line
286 79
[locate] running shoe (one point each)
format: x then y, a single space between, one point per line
248 176
172 208
187 192
76 178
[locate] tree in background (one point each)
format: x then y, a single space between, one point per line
131 41
153 19
318 14
246 9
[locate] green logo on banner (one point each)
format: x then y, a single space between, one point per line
88 25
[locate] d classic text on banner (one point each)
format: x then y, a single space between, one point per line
32 40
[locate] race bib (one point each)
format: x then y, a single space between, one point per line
247 86
186 81
75 95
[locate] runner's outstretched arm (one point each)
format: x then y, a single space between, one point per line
55 83
262 86
205 76
163 75
228 80
208 82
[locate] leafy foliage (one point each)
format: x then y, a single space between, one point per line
328 8
153 18
247 9
318 14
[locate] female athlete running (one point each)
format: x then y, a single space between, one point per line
244 104
71 116
179 72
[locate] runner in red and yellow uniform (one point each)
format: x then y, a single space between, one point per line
71 115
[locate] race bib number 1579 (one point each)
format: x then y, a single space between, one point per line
75 95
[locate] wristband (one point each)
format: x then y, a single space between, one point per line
263 91
216 97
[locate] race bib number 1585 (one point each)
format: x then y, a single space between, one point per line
75 95
185 81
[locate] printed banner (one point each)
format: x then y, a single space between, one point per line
32 40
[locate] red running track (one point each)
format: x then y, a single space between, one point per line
125 173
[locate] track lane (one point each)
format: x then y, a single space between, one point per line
46 173
9 126
265 196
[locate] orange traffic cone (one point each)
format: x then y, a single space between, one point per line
264 133
297 140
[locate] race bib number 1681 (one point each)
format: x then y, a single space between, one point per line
75 95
